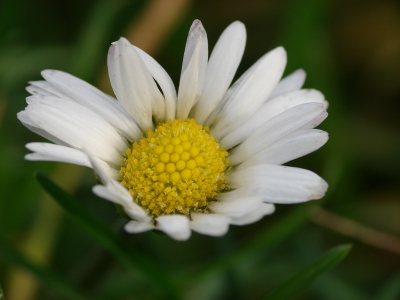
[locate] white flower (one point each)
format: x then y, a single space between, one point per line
172 175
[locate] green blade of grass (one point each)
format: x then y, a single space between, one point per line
52 279
308 274
94 36
390 289
127 256
266 238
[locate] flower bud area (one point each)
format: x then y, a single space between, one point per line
175 169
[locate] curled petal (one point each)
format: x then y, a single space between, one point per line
165 82
133 84
194 68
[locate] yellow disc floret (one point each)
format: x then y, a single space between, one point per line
177 168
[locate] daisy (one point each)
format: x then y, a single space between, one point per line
210 156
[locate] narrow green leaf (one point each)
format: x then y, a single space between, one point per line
308 274
129 257
270 236
94 36
390 290
333 287
47 276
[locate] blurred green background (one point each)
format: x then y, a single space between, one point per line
350 51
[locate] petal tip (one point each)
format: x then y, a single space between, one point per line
176 226
197 30
196 25
301 71
122 41
48 72
238 25
323 187
281 51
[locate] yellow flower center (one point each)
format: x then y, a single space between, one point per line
177 168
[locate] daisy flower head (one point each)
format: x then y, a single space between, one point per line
201 159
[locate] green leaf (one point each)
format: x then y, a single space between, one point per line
47 276
390 290
94 36
333 287
270 236
129 257
308 274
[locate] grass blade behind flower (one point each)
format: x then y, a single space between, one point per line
266 238
390 289
127 256
308 274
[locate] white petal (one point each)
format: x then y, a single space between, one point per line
164 81
291 120
77 126
28 123
290 83
315 122
269 110
176 226
115 192
251 93
236 207
292 146
221 69
99 169
133 84
278 184
42 88
194 68
209 224
51 152
138 227
262 210
70 87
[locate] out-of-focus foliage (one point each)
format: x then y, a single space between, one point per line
1 293
308 274
350 51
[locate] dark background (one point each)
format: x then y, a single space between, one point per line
350 51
